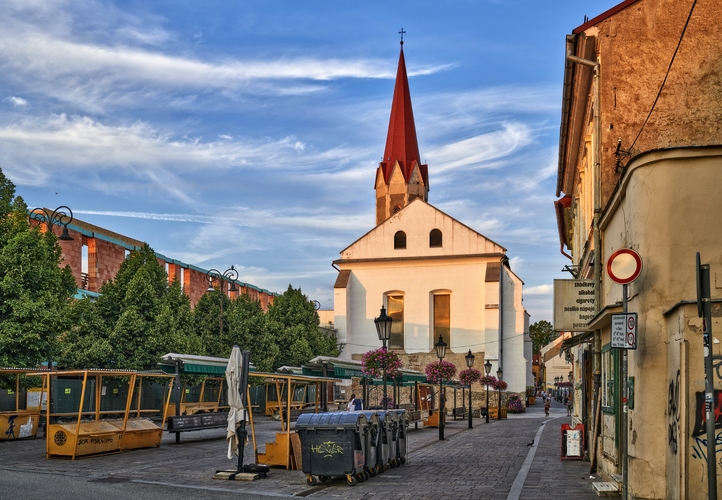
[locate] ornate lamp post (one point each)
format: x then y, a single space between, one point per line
440 353
62 216
383 328
487 369
230 275
499 374
469 364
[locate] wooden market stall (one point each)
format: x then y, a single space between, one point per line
20 406
280 452
111 413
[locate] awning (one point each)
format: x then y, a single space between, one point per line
348 369
191 364
576 340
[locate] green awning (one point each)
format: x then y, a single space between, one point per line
196 365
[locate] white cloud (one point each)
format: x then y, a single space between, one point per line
17 101
539 290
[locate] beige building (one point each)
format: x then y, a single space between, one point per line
640 167
434 275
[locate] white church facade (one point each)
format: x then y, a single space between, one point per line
435 276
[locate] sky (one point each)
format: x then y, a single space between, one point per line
248 133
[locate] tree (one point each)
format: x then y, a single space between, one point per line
541 333
247 329
137 318
35 291
294 325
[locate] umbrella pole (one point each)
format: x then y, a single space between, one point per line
241 430
253 427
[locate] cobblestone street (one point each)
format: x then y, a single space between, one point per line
490 461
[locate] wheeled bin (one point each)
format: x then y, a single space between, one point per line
385 443
392 422
402 417
332 444
372 434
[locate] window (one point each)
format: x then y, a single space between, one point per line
435 238
395 305
400 240
608 378
442 318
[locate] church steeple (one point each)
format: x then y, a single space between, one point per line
401 177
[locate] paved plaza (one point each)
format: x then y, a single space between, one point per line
490 461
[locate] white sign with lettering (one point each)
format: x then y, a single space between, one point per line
573 305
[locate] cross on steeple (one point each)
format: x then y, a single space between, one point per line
402 35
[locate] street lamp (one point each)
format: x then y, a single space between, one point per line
230 275
440 353
62 216
487 369
469 363
383 328
499 374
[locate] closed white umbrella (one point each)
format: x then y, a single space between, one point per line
237 412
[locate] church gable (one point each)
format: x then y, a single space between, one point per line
427 232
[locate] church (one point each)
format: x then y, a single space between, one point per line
435 276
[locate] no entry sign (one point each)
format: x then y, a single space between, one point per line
624 266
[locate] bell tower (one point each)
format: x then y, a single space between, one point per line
400 177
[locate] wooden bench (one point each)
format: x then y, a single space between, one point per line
197 422
459 412
413 414
295 414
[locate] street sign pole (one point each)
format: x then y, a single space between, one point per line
625 414
704 310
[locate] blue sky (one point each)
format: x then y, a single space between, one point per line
248 132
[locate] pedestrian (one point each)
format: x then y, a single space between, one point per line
358 404
351 405
547 405
570 407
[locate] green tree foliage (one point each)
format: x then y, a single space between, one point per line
292 323
35 292
137 318
541 333
247 329
207 324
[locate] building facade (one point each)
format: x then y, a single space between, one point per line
435 276
640 165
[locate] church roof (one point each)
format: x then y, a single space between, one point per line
401 142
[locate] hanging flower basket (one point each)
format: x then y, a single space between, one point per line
373 362
469 376
439 370
489 380
501 385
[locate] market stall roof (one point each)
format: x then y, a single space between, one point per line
191 364
349 368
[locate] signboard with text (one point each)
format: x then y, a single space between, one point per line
624 331
573 305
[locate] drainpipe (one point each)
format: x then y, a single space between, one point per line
501 310
597 164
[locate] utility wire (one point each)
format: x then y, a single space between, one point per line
694 3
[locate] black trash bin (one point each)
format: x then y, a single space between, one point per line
332 444
392 422
402 427
373 435
385 450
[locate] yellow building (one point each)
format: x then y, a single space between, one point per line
640 167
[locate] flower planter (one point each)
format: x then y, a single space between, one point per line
494 413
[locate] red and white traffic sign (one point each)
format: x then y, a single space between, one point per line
624 266
624 331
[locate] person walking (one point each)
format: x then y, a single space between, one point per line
351 405
547 405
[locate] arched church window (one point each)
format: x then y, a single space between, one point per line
435 238
400 240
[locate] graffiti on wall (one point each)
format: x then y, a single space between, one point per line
673 413
700 417
699 448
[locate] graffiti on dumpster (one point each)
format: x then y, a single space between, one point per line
673 413
104 440
327 449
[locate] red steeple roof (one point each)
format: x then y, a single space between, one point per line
401 143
